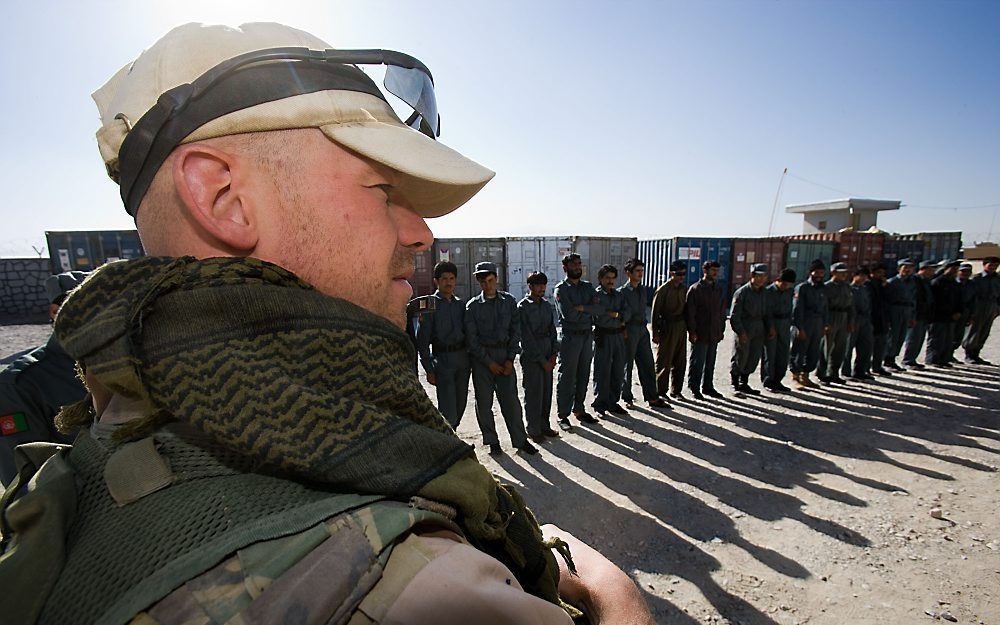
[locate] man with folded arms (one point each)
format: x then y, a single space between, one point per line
257 446
638 353
751 326
705 313
576 302
441 345
774 364
539 348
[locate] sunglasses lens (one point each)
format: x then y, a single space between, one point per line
416 89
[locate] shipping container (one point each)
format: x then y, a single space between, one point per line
860 248
86 250
526 255
696 250
423 275
895 249
748 252
465 253
597 251
656 254
937 245
801 252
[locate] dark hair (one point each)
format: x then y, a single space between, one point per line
632 263
708 264
537 277
817 264
862 271
444 267
568 258
605 270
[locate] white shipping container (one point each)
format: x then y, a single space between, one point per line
656 254
597 251
526 255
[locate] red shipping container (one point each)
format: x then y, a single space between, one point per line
748 252
860 248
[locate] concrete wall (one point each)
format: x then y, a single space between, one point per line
22 287
837 220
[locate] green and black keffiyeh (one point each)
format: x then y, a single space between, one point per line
308 386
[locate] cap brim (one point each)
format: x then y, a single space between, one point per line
434 178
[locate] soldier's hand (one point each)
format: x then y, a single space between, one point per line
693 337
508 367
744 337
801 335
605 592
956 316
578 308
827 329
496 369
772 333
432 378
656 340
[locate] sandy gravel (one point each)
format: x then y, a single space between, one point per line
808 508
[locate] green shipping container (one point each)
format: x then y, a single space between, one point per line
801 253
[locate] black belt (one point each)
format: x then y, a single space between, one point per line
839 309
606 331
576 332
497 344
441 349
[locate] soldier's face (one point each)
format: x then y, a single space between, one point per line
446 284
990 268
635 276
488 283
927 272
906 271
965 274
608 281
839 276
758 280
574 269
817 275
712 273
537 290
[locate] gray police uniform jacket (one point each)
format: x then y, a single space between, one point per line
538 330
779 308
441 331
638 300
750 311
862 305
901 291
840 303
610 301
568 297
492 325
987 287
810 304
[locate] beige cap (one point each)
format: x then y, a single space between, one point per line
435 178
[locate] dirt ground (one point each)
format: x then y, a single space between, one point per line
814 507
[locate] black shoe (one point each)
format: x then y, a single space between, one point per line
495 450
586 417
836 380
616 409
697 395
552 433
658 403
778 387
538 438
676 395
825 379
953 361
711 392
867 377
913 365
565 425
528 448
891 364
746 388
881 371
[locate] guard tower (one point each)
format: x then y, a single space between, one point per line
834 215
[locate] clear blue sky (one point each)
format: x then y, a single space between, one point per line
620 118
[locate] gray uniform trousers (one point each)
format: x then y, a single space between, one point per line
537 383
701 365
979 331
939 343
834 348
899 324
915 341
575 354
776 353
880 344
747 355
639 353
452 370
609 369
958 329
485 384
805 353
861 346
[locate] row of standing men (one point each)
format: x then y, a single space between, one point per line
818 324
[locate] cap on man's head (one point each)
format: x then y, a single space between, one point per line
710 264
904 261
484 268
991 260
838 267
947 263
787 275
817 264
138 129
677 266
59 285
965 267
924 264
537 277
759 269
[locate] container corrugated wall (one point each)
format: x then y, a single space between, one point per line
526 255
465 253
860 248
895 249
696 250
597 251
656 254
800 253
86 250
748 252
423 276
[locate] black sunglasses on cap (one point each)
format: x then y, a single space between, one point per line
256 78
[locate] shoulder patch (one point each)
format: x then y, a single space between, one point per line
12 424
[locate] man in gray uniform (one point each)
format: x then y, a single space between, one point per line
576 301
751 326
862 339
637 349
493 333
985 309
441 345
840 303
811 319
947 311
705 313
539 348
968 298
923 312
901 295
880 318
609 340
779 295
35 386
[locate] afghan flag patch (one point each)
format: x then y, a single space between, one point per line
13 423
